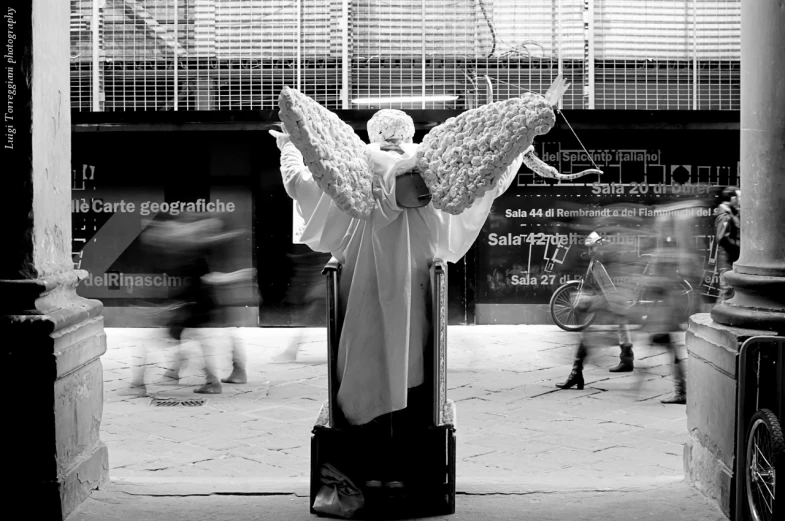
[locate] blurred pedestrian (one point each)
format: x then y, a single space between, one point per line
610 306
306 292
674 261
661 295
188 242
237 287
727 225
195 299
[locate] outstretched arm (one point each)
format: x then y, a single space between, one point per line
326 226
297 179
543 169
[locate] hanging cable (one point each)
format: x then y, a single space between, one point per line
490 26
595 170
579 140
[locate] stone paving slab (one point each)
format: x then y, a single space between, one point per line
667 501
514 426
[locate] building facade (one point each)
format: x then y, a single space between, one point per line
171 100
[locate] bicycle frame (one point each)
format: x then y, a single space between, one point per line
596 272
599 281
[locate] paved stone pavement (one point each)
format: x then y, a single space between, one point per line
674 502
516 431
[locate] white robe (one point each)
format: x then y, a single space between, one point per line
385 277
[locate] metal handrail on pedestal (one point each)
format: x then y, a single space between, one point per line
334 322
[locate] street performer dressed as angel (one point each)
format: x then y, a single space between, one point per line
386 236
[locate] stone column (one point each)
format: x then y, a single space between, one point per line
758 308
51 338
758 277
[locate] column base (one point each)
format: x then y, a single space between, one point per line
709 454
758 303
53 341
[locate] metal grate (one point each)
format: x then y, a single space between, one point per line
534 42
718 54
477 50
85 22
178 402
667 54
132 55
413 48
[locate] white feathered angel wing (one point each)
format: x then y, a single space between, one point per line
465 156
335 155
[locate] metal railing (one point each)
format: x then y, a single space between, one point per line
130 55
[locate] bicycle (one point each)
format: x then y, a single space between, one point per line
567 302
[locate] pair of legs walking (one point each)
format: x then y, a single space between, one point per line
626 357
212 383
575 379
679 395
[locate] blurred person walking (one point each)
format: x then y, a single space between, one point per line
188 243
195 297
727 224
674 260
662 321
239 288
611 306
674 264
307 292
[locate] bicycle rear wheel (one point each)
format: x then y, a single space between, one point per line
564 310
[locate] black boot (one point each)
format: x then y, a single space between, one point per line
625 360
679 395
575 378
576 375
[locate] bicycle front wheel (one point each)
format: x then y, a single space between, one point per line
765 455
564 310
